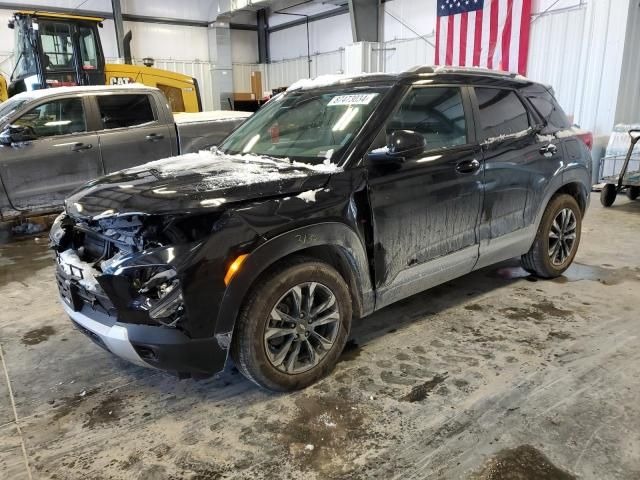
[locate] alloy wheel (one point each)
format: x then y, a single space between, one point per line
302 327
562 236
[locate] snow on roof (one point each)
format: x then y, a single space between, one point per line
327 80
45 92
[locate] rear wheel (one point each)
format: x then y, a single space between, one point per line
293 326
557 240
608 195
633 193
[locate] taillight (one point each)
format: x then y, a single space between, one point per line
587 138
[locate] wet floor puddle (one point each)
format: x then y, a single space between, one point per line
521 463
577 272
21 259
37 335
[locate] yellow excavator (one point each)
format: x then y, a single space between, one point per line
55 50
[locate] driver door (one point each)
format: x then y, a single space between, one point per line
61 156
426 207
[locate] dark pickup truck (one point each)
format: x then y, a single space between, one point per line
336 199
55 140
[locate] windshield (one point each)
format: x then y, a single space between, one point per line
310 126
10 106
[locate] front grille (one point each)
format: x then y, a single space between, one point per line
94 337
76 295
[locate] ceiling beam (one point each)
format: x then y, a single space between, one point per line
312 18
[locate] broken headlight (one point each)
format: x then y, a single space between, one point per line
159 293
59 228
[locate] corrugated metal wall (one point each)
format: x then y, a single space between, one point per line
286 72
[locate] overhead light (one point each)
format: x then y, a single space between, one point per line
212 202
251 143
346 119
163 191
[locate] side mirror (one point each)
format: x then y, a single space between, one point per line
402 144
17 134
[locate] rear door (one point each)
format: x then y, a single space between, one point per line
65 155
131 131
513 157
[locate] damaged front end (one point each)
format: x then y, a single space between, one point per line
120 279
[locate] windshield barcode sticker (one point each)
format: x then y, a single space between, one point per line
356 99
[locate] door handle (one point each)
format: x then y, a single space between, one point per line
549 151
468 166
80 147
154 137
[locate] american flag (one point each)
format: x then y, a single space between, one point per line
483 33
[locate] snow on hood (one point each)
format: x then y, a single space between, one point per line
220 170
242 166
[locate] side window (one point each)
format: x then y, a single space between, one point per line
118 111
57 46
551 111
174 96
60 117
437 113
501 112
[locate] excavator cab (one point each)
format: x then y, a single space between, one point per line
55 50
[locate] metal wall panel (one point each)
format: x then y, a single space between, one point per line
399 55
628 109
284 73
554 65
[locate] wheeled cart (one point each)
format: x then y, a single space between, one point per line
625 178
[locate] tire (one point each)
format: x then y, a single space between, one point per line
633 193
539 259
258 357
608 195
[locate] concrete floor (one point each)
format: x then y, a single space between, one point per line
494 375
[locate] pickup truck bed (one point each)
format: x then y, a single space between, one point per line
197 131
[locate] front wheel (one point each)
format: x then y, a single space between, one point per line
557 239
293 326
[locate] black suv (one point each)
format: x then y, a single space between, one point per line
339 197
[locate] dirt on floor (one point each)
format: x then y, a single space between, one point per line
495 375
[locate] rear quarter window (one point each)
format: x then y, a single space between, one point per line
551 112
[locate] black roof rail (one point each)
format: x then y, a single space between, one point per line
426 69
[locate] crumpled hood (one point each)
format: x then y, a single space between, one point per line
203 180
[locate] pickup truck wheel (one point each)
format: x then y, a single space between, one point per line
293 326
608 195
633 193
557 240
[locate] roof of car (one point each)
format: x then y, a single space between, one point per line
46 92
410 74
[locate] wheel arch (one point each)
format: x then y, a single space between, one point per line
577 190
332 242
